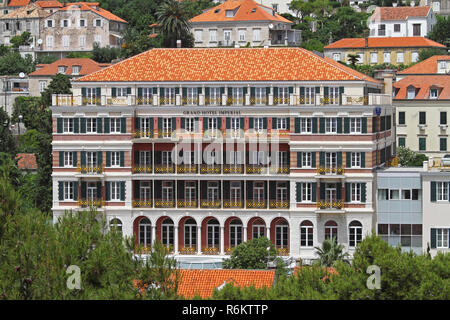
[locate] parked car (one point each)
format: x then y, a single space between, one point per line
445 161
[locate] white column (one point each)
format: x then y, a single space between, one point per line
175 247
222 240
153 233
199 240
244 234
268 232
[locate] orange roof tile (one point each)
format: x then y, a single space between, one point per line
246 10
87 66
26 161
94 7
203 282
423 84
49 4
389 42
18 3
399 13
227 64
428 66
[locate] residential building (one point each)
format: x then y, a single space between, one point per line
77 26
440 7
11 88
26 162
208 148
399 207
373 51
280 6
242 23
73 67
401 21
422 99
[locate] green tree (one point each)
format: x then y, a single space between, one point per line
174 23
330 252
104 55
428 53
441 30
253 254
7 142
409 158
60 84
353 58
23 39
47 59
136 42
12 63
313 44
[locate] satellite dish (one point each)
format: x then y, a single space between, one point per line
39 41
31 46
270 26
22 75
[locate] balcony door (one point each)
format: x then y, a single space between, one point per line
190 233
282 192
145 158
330 161
258 192
145 191
167 232
213 237
190 191
167 190
213 191
91 191
235 191
330 192
91 159
145 125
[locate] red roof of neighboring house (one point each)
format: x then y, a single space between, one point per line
423 84
49 4
399 13
389 42
87 66
245 10
227 64
26 161
18 3
94 7
428 66
203 282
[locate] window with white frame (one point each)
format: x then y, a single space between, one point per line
415 56
281 123
442 191
192 96
98 39
306 234
242 34
355 192
167 126
283 95
214 96
336 56
400 57
433 93
227 36
76 70
355 233
198 34
305 125
68 159
387 57
307 159
355 125
67 125
115 159
82 41
256 34
42 86
258 191
82 23
49 23
441 238
333 95
356 159
68 190
65 23
331 230
306 192
330 125
260 95
167 190
62 69
190 124
373 57
97 22
66 41
115 125
238 95
235 124
310 94
91 125
49 41
360 57
115 190
258 124
145 158
411 92
213 35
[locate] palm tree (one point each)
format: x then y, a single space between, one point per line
353 58
174 22
330 253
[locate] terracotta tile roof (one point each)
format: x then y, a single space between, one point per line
30 11
87 66
26 161
423 85
388 42
94 7
399 13
203 282
247 10
49 4
226 64
18 3
428 66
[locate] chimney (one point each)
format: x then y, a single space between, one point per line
394 4
366 42
413 3
387 76
178 43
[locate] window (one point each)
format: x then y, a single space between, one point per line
400 58
260 95
213 35
443 144
436 6
98 39
383 194
76 70
256 34
115 190
387 57
360 57
333 95
411 93
307 159
115 125
259 229
275 7
235 124
190 233
212 231
306 234
281 235
442 191
258 191
67 125
42 86
145 232
115 224
401 117
281 191
242 34
28 26
310 93
422 144
356 192
373 57
394 194
229 13
415 56
169 96
416 30
68 159
68 190
307 192
97 23
198 35
82 41
355 233
190 124
433 93
283 95
443 117
82 23
91 159
331 230
167 231
65 23
282 123
355 125
91 125
356 159
415 194
330 125
49 41
442 238
305 125
235 233
227 36
62 69
406 194
215 96
167 191
401 141
396 27
115 159
382 30
258 124
145 158
336 56
422 117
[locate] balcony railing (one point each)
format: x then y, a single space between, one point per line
335 204
142 203
64 100
211 250
235 101
330 170
117 101
214 204
213 101
187 168
256 204
94 202
142 169
187 204
282 251
91 101
144 101
279 204
229 204
90 169
210 169
280 100
283 170
143 134
259 101
164 203
189 101
188 250
166 101
233 169
164 168
165 134
255 169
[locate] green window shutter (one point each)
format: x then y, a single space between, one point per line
314 125
339 159
219 123
108 190
228 123
321 125
183 123
99 158
108 158
199 90
274 123
137 186
275 92
184 91
122 190
205 123
363 159
264 123
113 92
59 125
297 125
347 192
159 124
339 125
348 159
422 144
245 90
152 123
61 190
61 158
83 158
252 92
139 90
322 191
155 90
313 160
123 125
401 141
443 144
98 92
322 159
267 91
83 189
302 91
76 125
99 190
107 125
137 124
299 191
291 90
83 92
339 191
222 90
242 123
128 91
207 92
99 125
122 158
341 90
177 90
317 90
250 123
83 125
288 124
75 154
174 124
136 157
314 192
433 191
161 92
325 91
75 190
364 125
346 125
299 159
363 192
433 238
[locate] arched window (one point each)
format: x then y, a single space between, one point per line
258 229
282 234
115 224
235 233
167 232
213 234
355 233
306 233
190 233
145 232
331 230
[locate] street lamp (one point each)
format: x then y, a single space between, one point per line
20 120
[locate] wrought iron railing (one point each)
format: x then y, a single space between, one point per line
144 100
164 168
189 101
211 250
228 204
90 101
255 169
166 101
213 101
164 203
187 203
143 134
280 100
117 101
210 204
90 169
259 101
187 168
210 169
188 250
335 204
233 169
235 101
165 134
94 202
142 203
279 204
256 204
330 170
142 169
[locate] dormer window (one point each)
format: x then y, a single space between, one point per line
229 13
62 69
217 11
434 93
443 64
411 92
76 70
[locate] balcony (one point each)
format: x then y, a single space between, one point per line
282 170
146 101
233 169
64 100
235 101
256 169
142 203
281 100
256 204
330 171
167 101
90 169
164 168
188 250
213 101
143 134
94 202
282 251
279 204
164 203
233 204
259 101
211 204
189 101
210 169
91 101
117 101
211 250
142 169
187 169
329 205
165 134
187 204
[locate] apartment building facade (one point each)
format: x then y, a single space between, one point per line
213 147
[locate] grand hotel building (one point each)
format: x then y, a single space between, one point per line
206 148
